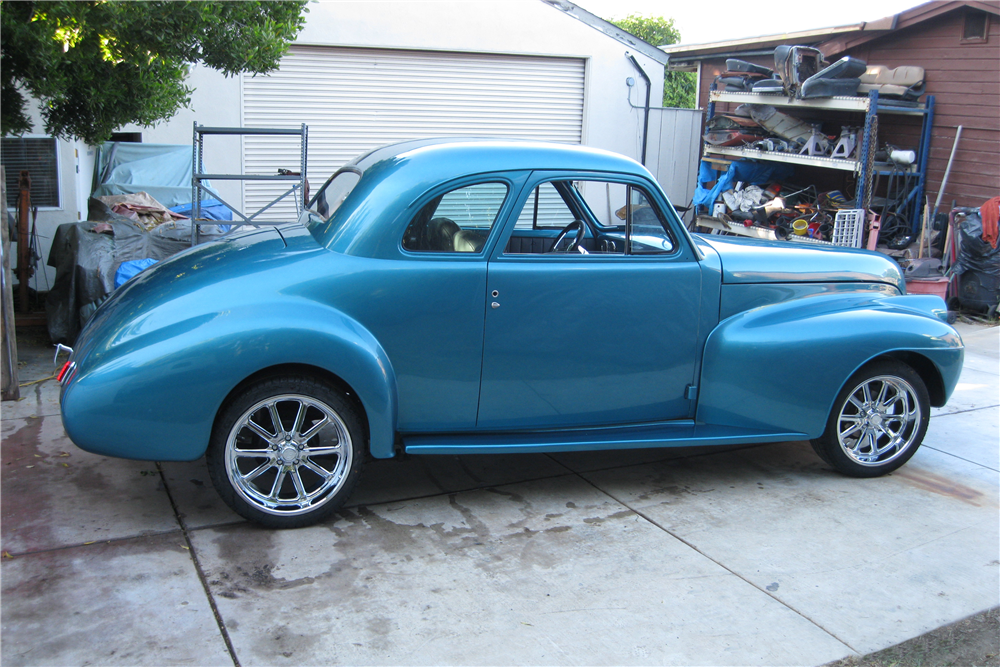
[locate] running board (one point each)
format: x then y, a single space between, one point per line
674 434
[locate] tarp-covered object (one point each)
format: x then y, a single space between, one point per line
86 256
141 208
162 170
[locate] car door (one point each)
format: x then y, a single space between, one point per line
602 338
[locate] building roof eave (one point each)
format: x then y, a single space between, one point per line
830 41
609 29
713 49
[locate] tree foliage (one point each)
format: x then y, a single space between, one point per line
678 87
97 65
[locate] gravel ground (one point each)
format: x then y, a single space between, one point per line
971 642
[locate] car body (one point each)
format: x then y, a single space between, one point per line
420 306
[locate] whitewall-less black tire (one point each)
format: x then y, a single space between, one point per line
286 452
878 420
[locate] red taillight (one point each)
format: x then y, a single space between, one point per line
63 371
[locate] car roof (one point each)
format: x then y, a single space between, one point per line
395 176
494 154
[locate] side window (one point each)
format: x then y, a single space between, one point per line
647 231
457 221
626 220
545 208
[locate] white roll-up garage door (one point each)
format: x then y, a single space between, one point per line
354 100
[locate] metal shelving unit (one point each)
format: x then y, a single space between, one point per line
198 189
871 106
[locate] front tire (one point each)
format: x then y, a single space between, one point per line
878 420
286 452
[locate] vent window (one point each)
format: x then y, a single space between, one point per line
977 27
38 157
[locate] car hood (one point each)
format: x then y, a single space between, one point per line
753 261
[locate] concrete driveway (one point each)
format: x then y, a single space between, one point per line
756 556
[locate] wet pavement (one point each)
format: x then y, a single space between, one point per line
752 556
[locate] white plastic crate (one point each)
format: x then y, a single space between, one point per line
848 227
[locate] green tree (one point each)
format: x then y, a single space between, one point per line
679 88
97 65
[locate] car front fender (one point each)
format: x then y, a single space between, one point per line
157 399
781 366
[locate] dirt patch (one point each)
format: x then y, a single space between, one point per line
974 641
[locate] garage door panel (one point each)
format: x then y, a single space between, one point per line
354 100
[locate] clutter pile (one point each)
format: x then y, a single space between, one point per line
800 72
139 212
783 212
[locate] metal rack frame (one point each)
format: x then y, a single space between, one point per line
198 189
871 106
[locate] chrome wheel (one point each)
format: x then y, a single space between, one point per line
880 420
288 454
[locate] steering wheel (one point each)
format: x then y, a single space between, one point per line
575 243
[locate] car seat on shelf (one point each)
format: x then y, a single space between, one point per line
795 64
840 78
905 83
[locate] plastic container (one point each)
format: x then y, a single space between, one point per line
848 227
935 286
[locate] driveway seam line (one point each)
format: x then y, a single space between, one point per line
962 412
724 567
960 458
112 540
201 573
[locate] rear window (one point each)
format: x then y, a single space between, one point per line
329 198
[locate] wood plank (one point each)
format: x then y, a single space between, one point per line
936 58
973 133
983 160
973 171
9 390
980 180
965 195
930 41
964 76
971 108
951 87
972 122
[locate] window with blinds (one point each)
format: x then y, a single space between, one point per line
37 156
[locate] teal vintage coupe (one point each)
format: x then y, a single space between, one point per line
479 296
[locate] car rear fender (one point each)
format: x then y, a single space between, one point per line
782 366
153 400
344 349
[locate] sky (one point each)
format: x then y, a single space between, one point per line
702 21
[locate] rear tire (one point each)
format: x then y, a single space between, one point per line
878 420
286 452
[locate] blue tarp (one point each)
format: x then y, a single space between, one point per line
128 269
747 171
212 209
162 170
